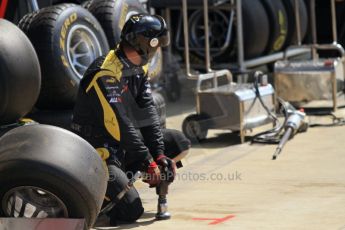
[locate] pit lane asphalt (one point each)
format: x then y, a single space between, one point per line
303 189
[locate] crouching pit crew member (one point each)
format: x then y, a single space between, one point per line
114 98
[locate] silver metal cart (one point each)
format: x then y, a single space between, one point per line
314 83
220 103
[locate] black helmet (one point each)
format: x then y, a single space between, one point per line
145 33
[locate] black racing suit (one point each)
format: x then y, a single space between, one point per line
113 95
114 98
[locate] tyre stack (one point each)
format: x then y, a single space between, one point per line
67 38
20 75
63 33
40 71
268 26
39 176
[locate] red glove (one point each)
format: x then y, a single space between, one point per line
168 168
152 175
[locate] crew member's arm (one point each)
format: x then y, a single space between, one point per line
105 93
151 131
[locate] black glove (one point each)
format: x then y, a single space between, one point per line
168 168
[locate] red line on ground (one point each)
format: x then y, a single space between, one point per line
3 6
221 220
216 220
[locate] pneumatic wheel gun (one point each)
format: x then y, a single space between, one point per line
162 191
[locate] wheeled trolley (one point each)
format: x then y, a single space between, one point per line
316 83
221 103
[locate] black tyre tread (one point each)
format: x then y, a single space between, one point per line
255 34
291 38
59 82
25 23
255 28
44 23
278 32
103 10
86 4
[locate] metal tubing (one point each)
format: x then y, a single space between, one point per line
333 46
298 23
313 27
34 5
186 42
242 131
240 56
334 22
285 138
334 91
210 74
274 57
216 74
207 38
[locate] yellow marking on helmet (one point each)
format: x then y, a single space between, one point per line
110 121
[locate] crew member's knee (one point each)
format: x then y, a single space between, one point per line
129 209
176 145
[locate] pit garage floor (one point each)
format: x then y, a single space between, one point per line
228 185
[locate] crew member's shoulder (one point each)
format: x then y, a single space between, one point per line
92 70
112 65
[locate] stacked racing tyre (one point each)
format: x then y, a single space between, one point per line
45 171
20 76
278 21
67 38
219 24
112 15
291 38
42 178
256 32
